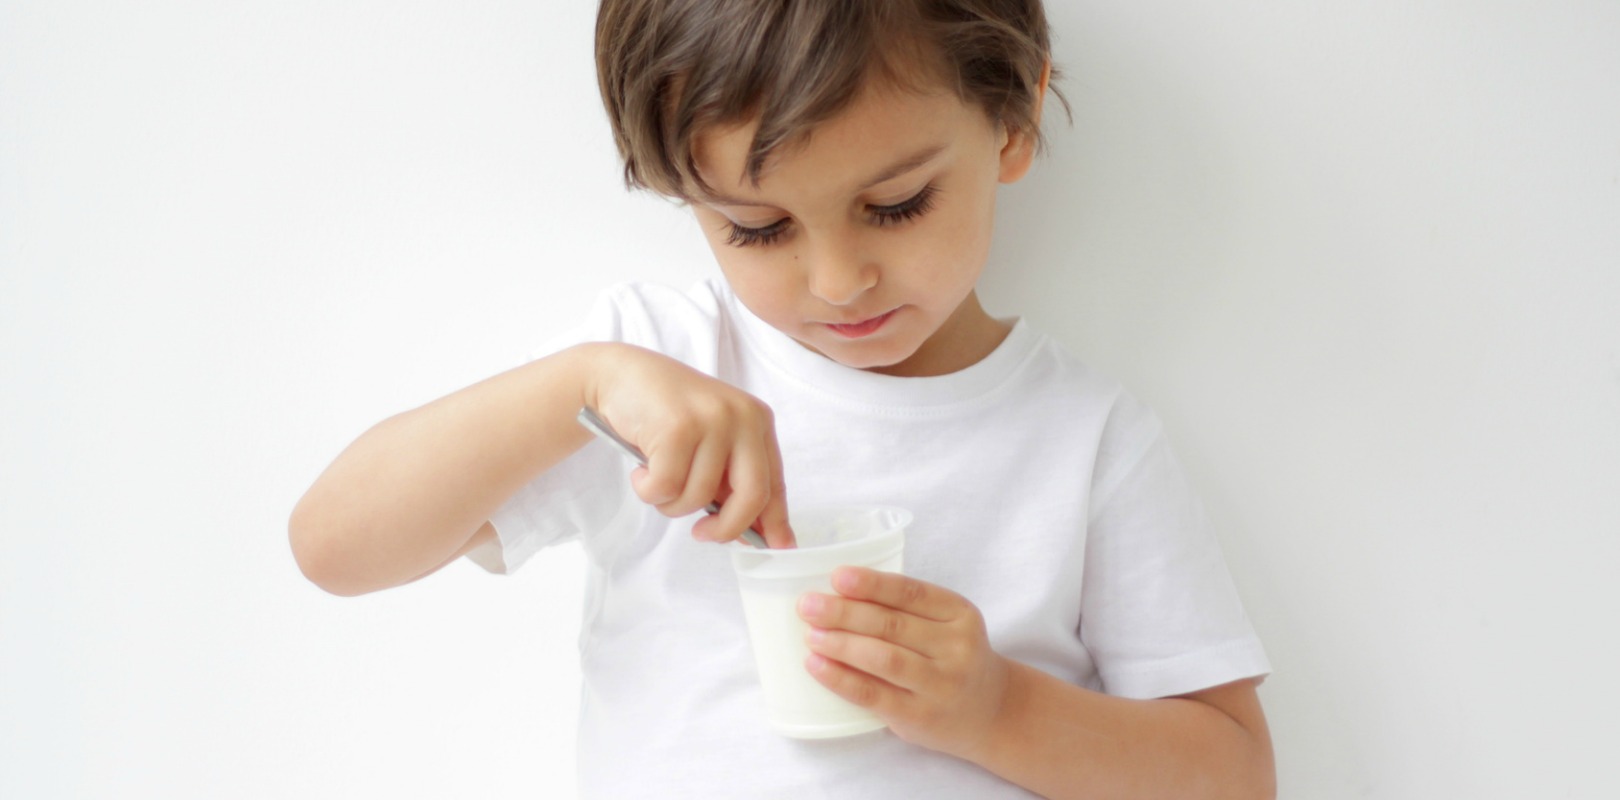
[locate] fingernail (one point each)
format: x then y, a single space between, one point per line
844 580
816 635
811 605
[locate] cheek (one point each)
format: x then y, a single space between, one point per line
954 248
758 281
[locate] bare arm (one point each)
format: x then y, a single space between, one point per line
411 492
919 656
416 490
1062 741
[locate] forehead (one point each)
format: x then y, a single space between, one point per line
881 128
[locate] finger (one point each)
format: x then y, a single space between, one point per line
746 495
887 624
894 665
773 521
857 687
894 590
668 461
702 478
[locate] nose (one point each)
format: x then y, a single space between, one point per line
839 270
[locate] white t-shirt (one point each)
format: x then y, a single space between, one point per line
1042 492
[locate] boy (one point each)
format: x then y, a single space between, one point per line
1066 627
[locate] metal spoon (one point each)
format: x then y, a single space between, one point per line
595 424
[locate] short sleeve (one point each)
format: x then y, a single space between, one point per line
1160 614
587 495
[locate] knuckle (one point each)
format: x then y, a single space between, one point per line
926 716
748 487
834 611
758 419
671 442
863 693
832 646
701 484
893 662
894 627
954 648
755 409
701 413
657 489
975 626
913 592
743 506
977 630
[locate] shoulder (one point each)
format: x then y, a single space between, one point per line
1096 406
662 305
659 317
1082 390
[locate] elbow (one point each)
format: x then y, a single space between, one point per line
1251 775
1262 773
1250 782
1264 786
1268 783
310 538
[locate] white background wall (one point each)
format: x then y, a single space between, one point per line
1363 257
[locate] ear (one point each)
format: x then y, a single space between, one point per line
1018 147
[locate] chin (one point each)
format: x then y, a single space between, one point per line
869 361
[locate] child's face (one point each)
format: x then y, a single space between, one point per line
864 244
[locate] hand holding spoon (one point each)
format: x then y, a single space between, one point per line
595 424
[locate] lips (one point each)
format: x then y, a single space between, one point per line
856 330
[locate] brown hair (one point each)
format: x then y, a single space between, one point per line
669 69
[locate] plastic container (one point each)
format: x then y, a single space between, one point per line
771 583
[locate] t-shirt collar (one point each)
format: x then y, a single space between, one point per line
828 376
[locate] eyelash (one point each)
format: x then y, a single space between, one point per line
905 211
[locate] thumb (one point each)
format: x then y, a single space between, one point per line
651 490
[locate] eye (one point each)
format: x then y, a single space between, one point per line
919 204
740 236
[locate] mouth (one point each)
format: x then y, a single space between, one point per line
866 327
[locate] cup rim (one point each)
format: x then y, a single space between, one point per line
902 519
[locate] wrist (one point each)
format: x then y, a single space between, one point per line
1025 697
596 366
999 733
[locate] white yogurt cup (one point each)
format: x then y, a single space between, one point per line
772 581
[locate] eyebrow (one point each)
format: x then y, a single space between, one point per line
895 170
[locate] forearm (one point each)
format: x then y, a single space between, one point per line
1062 741
409 492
